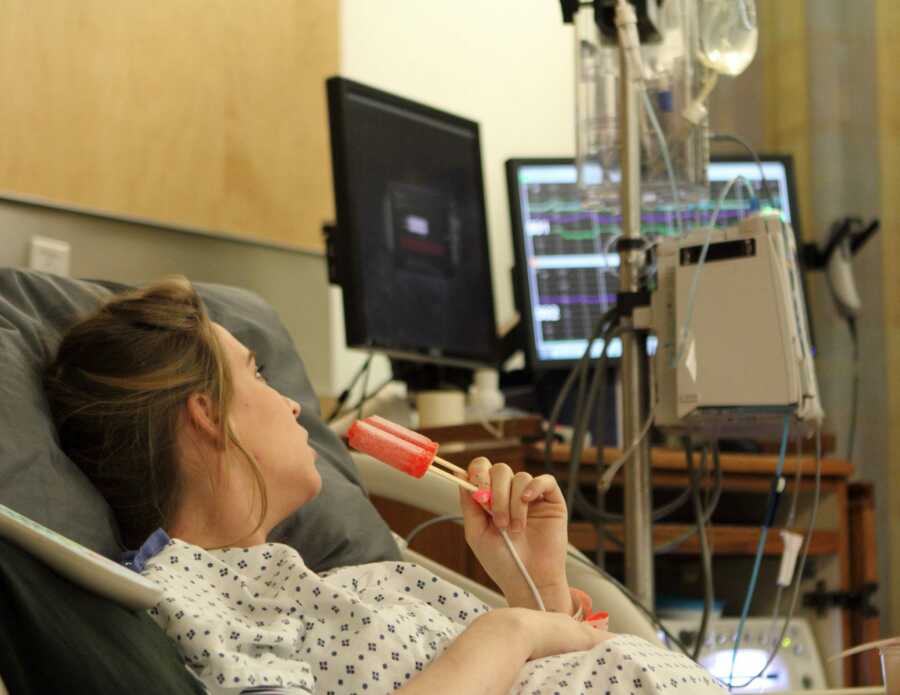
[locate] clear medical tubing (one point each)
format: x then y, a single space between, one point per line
672 79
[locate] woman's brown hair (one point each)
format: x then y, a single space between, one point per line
117 389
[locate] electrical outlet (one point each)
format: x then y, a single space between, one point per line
49 255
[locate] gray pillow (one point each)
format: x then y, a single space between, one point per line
340 527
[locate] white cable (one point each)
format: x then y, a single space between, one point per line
528 580
606 479
506 539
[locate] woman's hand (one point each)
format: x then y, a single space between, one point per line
549 634
533 511
488 655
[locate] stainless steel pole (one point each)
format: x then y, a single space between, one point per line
638 501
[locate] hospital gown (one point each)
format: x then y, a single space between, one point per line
245 618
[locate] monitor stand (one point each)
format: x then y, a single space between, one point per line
430 376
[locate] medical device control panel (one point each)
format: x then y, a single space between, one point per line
796 666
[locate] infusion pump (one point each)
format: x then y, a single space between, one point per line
796 666
733 342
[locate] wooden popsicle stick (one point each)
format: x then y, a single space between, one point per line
465 484
450 466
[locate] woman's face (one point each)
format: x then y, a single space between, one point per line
266 424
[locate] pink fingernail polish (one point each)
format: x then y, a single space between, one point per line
482 497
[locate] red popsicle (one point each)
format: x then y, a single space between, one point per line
402 432
388 448
408 451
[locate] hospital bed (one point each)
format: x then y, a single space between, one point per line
44 635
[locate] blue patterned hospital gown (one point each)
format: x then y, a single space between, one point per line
244 618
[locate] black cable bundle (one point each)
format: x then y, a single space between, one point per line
589 387
608 328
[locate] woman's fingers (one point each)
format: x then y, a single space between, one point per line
544 486
518 505
512 493
480 472
475 520
501 481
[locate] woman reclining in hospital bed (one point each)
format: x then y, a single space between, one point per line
172 420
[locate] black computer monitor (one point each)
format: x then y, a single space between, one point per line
410 247
566 272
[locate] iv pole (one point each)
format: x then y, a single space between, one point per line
634 366
637 499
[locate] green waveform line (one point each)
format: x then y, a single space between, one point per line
704 206
580 234
558 206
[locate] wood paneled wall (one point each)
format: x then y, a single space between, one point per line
785 108
204 113
887 21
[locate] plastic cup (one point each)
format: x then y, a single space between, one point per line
441 408
890 668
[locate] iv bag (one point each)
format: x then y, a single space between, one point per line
673 75
596 112
727 35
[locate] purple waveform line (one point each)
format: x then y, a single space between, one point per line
647 217
579 299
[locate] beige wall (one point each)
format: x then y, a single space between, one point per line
208 114
133 252
508 64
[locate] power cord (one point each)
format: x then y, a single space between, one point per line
613 468
431 522
708 508
345 394
365 387
606 322
705 554
799 570
630 595
788 524
774 495
587 397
